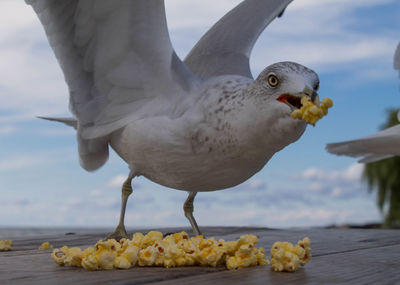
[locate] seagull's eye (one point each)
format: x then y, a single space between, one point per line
316 87
273 81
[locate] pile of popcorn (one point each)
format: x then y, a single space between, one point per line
6 245
154 250
288 257
310 112
172 251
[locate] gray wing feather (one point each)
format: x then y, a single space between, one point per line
72 122
117 60
226 47
381 145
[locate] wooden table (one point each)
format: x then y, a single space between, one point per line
340 256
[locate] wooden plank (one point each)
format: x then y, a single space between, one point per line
340 256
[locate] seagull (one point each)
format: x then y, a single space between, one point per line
202 124
381 145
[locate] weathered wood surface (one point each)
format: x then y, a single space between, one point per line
340 256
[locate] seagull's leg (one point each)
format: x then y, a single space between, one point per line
120 231
188 209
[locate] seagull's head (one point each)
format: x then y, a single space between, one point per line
277 92
286 83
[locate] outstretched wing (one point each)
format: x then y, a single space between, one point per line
117 60
226 47
381 145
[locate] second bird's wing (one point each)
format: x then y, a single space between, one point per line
378 146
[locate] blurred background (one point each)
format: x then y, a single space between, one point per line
350 44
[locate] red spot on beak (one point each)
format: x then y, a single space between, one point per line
283 98
291 100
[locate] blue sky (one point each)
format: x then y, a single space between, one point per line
350 44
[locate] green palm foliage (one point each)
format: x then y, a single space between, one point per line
384 177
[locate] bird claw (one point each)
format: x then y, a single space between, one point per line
118 234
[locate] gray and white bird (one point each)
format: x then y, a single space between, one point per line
200 125
382 145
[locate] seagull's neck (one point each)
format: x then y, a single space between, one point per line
267 122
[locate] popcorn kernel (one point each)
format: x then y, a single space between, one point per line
122 262
89 260
147 256
58 255
288 257
46 245
6 245
73 257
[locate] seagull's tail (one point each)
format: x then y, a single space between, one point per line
72 122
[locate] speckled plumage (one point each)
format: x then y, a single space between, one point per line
227 136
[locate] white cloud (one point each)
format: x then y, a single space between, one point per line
17 15
311 187
307 33
328 41
6 130
201 14
354 172
320 215
19 163
31 160
117 181
351 173
154 208
95 194
235 217
60 131
31 81
15 117
343 5
330 53
345 183
256 184
280 216
196 14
